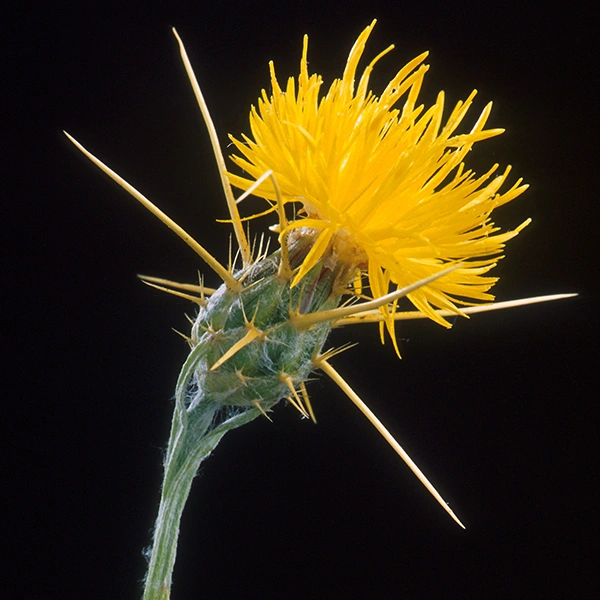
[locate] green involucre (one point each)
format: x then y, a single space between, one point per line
257 372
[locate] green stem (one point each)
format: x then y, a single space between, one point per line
180 469
191 441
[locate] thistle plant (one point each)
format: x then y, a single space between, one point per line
373 203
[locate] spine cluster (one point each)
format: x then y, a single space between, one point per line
246 351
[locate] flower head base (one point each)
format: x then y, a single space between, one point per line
383 189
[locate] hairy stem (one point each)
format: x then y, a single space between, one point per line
192 439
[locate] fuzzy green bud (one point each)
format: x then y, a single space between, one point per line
246 351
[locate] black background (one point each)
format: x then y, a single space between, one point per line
500 411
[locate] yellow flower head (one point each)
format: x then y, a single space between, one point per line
383 185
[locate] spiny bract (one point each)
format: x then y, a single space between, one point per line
248 352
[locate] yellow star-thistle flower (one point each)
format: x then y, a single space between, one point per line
383 186
384 195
